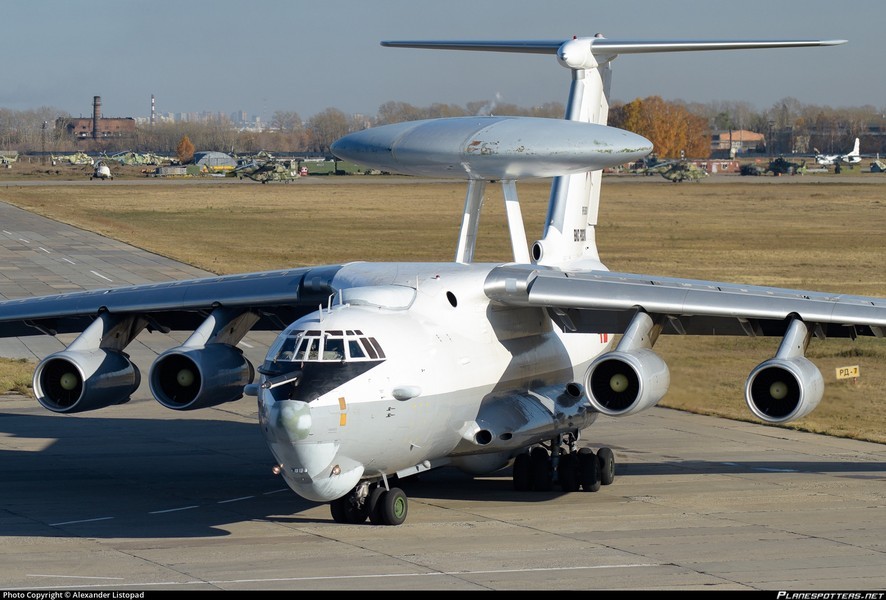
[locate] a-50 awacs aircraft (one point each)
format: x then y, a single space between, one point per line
382 371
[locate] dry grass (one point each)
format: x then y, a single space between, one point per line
811 233
15 376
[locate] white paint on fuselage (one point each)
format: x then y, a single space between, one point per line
452 344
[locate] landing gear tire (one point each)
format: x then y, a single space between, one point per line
542 473
606 458
374 504
588 470
393 507
567 473
345 510
522 473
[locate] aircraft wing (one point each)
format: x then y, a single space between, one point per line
606 302
279 297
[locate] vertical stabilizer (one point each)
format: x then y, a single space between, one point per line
569 235
856 149
570 226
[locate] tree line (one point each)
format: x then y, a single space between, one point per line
674 127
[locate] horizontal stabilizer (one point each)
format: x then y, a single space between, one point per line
602 45
582 53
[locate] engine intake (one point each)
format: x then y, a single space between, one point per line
780 390
186 378
624 382
73 381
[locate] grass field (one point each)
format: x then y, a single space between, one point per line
800 232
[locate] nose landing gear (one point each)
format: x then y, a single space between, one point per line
380 505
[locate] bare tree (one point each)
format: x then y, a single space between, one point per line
397 112
287 121
789 126
326 127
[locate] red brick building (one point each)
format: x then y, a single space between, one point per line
97 127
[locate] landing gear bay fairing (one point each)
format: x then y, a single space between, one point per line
407 367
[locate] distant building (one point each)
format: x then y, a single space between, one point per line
97 127
728 144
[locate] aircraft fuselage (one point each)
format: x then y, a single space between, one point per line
417 368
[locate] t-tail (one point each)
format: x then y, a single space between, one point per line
569 238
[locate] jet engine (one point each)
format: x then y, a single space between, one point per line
79 380
186 377
624 382
783 389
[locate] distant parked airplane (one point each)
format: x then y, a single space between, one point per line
851 158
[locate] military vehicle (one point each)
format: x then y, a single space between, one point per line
135 158
749 169
78 158
265 167
101 171
782 166
270 170
7 158
676 171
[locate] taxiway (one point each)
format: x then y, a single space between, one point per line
137 497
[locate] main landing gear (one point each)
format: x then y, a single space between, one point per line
571 468
380 505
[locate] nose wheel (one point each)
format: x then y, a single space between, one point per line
381 506
390 508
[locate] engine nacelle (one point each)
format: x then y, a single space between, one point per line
185 378
783 389
76 380
624 382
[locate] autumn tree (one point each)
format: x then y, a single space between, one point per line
672 129
184 150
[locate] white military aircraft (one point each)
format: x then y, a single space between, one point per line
853 157
101 171
385 370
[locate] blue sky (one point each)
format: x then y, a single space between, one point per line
261 56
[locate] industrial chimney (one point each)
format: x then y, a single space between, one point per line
96 115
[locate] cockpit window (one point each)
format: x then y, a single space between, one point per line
355 350
373 343
326 346
287 350
308 349
334 349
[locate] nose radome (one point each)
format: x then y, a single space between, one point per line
295 418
